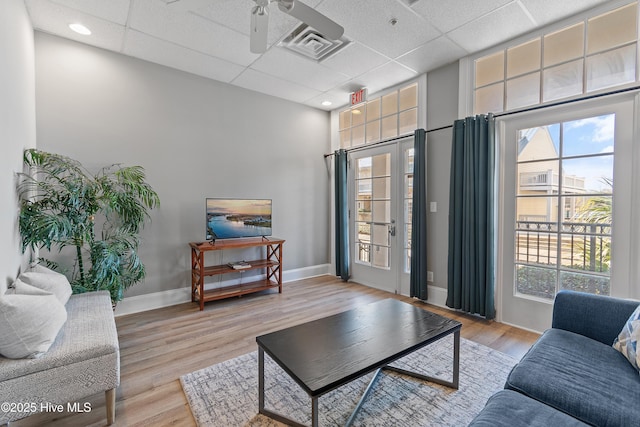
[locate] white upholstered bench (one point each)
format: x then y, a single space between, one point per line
83 360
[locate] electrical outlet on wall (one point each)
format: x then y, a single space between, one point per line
429 276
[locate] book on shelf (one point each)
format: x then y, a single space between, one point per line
239 265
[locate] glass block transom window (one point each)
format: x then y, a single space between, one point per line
394 114
595 54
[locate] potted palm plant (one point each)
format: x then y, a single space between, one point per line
63 205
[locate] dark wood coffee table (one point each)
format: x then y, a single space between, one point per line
325 354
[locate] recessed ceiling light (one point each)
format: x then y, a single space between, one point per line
356 112
326 103
80 29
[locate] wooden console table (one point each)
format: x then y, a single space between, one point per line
272 264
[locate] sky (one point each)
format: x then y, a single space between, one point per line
587 137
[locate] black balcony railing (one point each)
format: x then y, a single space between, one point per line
576 245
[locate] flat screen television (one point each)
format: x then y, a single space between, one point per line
237 218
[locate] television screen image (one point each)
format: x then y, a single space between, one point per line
236 218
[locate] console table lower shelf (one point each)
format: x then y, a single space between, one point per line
271 265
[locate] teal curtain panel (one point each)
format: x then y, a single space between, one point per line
341 215
418 276
471 270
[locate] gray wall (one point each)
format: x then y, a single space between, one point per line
196 138
442 110
17 124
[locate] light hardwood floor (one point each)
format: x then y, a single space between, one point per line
158 346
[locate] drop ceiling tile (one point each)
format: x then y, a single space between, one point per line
286 65
548 11
156 19
368 22
496 27
145 47
338 98
386 76
113 10
432 55
55 19
455 13
355 59
261 82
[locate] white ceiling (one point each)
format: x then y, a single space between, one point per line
212 39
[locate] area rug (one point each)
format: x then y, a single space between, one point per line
226 394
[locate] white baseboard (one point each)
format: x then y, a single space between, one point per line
138 303
437 296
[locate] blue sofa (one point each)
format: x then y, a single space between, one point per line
572 376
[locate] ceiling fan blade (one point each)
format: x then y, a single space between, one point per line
259 27
312 18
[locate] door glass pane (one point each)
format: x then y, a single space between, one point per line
381 211
489 99
535 281
539 143
523 58
373 210
363 250
612 29
564 207
380 256
364 232
600 285
611 68
408 203
588 175
490 69
587 225
382 188
564 45
380 235
563 80
523 91
381 165
594 135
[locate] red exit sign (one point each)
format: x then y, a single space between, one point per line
358 97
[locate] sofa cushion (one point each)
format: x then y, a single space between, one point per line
30 324
48 280
585 378
507 408
627 342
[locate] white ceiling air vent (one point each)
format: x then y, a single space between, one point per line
309 43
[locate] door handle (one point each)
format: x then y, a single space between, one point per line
392 230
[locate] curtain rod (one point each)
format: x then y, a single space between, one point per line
508 113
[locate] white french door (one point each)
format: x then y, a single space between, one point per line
565 198
381 182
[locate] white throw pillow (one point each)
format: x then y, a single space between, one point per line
48 280
627 342
21 288
30 324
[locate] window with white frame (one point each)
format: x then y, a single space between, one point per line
594 54
388 116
